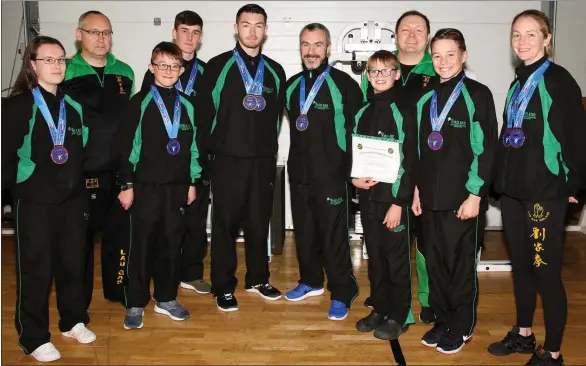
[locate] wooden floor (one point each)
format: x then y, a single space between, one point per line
282 332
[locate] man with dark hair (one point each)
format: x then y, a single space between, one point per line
103 85
187 34
242 117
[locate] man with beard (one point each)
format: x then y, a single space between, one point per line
321 104
103 85
242 100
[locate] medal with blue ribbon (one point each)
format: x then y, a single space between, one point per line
514 135
190 82
253 99
59 153
172 127
435 140
302 121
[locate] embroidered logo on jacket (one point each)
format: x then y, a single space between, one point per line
335 201
119 81
267 90
74 131
457 124
321 106
530 115
185 127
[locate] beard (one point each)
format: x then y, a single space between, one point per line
312 62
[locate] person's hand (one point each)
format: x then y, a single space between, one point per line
572 200
470 208
126 197
190 195
363 183
416 205
393 217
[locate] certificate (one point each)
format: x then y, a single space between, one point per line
375 157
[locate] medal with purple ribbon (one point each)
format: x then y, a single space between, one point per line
435 139
253 99
302 121
59 154
173 146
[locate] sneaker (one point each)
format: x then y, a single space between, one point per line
450 343
370 322
432 336
388 331
227 302
81 334
266 291
172 309
133 318
368 302
303 291
46 353
513 343
338 311
200 286
541 357
426 316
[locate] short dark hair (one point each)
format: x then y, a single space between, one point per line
450 33
315 26
409 13
88 13
188 17
251 8
169 49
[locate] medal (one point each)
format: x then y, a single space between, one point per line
173 147
507 137
517 138
253 101
435 140
59 155
302 122
190 82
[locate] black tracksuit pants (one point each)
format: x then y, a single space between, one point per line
195 243
535 234
389 262
320 218
452 248
49 243
107 216
157 231
242 190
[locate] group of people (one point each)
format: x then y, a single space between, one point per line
139 167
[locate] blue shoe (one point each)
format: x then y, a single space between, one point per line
302 291
338 311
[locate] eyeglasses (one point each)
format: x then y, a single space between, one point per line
51 61
164 67
384 72
96 33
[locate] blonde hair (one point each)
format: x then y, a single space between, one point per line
385 57
544 25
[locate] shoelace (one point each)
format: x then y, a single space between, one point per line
170 304
135 311
228 296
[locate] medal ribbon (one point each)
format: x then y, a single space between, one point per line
190 82
57 133
305 104
521 97
438 122
172 128
253 87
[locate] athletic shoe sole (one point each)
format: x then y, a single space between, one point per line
432 345
226 309
450 352
65 334
309 294
165 312
140 326
189 287
334 318
253 290
384 336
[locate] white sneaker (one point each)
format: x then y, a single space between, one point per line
46 353
81 334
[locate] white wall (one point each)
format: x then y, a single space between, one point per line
11 27
485 24
570 36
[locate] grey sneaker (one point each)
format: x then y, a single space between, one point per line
133 319
172 309
200 286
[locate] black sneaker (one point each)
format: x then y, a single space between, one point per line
513 343
432 336
368 303
541 357
450 343
227 302
388 331
267 291
426 316
370 322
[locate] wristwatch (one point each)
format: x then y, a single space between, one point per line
125 186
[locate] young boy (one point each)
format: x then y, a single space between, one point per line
187 34
456 153
158 162
384 206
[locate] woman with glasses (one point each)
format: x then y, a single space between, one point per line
43 138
